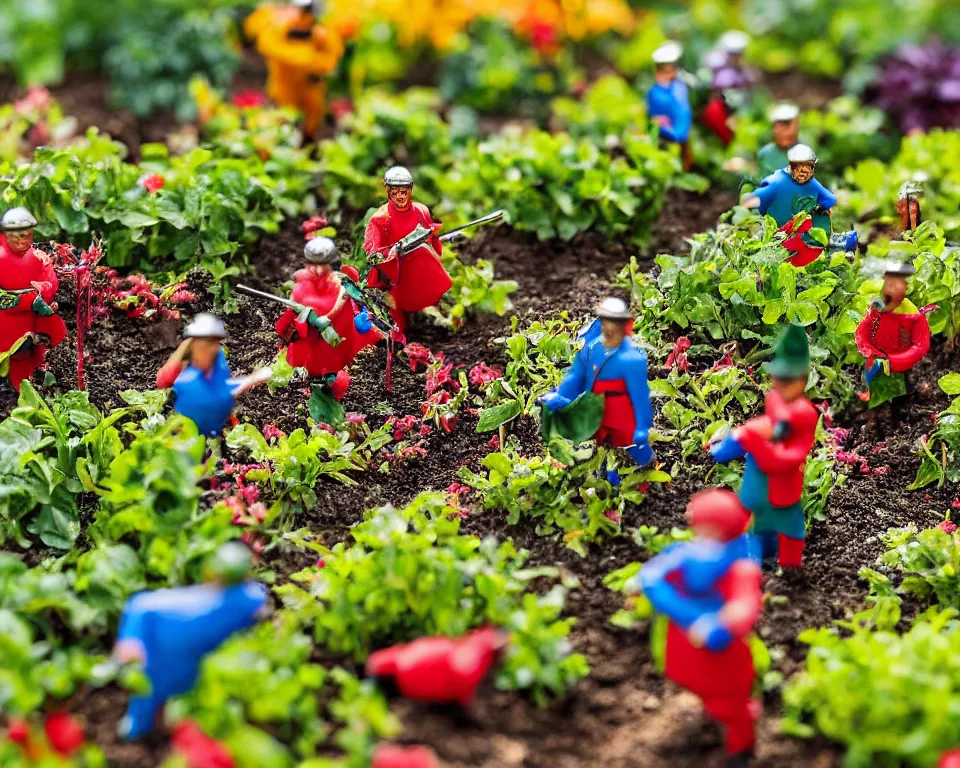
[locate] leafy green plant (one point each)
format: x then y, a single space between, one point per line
940 452
158 51
575 501
292 464
609 108
885 696
259 692
475 289
411 572
820 478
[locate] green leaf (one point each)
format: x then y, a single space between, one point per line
493 417
950 383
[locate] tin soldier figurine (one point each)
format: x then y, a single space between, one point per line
668 100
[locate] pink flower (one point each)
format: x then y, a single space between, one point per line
270 432
494 443
313 224
321 564
482 374
457 489
251 493
824 407
183 297
439 376
643 487
613 515
247 99
198 749
881 471
153 182
340 108
678 356
947 527
36 99
417 355
354 418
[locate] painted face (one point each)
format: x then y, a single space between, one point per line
665 73
203 353
894 291
790 389
20 242
400 196
785 133
801 172
613 332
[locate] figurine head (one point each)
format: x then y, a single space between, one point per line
616 321
717 514
734 42
665 60
321 251
786 125
803 163
206 334
17 226
229 564
895 276
399 183
790 367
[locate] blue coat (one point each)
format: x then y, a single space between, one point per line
206 400
176 628
673 101
778 192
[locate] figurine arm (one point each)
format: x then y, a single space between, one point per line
573 384
48 281
682 118
920 336
372 238
825 198
727 449
663 596
639 390
765 193
864 342
741 611
778 457
286 325
167 375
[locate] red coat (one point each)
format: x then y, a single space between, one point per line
903 337
715 117
17 273
321 290
418 280
782 462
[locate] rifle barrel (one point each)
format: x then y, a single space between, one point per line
268 296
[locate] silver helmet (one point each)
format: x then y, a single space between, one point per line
17 220
801 153
321 250
612 308
205 326
398 176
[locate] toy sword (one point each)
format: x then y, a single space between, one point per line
421 234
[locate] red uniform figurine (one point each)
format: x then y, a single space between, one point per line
416 280
318 287
895 331
28 285
395 756
439 669
710 591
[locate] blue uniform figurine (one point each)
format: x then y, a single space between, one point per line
170 630
668 100
609 364
204 390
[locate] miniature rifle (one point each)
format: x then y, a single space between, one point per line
421 234
9 299
304 314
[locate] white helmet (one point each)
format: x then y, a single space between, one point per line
612 308
321 250
17 220
801 153
668 53
784 113
734 41
205 326
398 176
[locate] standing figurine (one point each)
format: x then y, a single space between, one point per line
614 370
893 337
730 83
668 100
29 325
776 446
300 52
793 190
908 205
204 391
169 631
710 591
416 279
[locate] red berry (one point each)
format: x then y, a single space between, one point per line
64 733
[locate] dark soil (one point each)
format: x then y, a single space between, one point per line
624 715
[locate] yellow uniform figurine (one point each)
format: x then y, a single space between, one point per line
299 52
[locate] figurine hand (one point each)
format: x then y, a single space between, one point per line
362 321
319 322
126 651
554 401
40 307
633 587
735 165
662 120
750 201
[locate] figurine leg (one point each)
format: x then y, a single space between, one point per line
23 367
140 717
790 551
737 715
762 545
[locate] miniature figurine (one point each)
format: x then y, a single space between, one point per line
908 205
395 756
668 100
606 389
710 591
29 325
439 669
170 630
776 446
299 52
731 80
404 235
893 336
793 190
204 391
